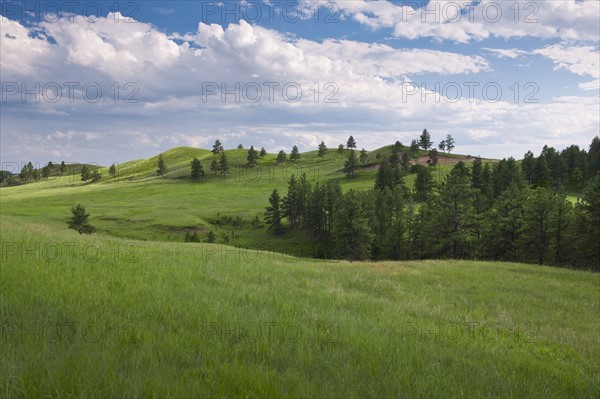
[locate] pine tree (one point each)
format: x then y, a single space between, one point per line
528 165
340 149
197 170
252 157
351 144
210 238
322 149
425 140
112 170
442 146
536 229
85 173
214 165
423 183
541 172
449 143
217 147
223 163
363 157
351 233
263 152
281 157
273 213
295 154
79 220
405 162
414 148
96 175
433 157
351 164
162 166
46 172
63 168
477 174
397 152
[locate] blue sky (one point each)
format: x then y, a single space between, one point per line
109 82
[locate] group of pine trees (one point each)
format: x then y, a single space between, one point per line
484 210
29 173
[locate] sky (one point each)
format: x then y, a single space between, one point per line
108 82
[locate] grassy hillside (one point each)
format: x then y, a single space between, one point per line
95 316
138 204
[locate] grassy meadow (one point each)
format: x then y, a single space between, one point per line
132 311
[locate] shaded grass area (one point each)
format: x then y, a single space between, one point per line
94 316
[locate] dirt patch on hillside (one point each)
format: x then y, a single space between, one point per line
442 160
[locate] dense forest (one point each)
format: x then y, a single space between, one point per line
506 210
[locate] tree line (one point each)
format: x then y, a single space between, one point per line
490 211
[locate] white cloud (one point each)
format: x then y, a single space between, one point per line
443 20
580 60
511 53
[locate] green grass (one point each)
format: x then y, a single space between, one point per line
138 204
132 311
96 316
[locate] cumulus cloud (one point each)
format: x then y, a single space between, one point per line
580 60
467 21
174 107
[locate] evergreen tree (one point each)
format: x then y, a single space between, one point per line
85 173
477 173
449 143
594 156
63 168
263 152
589 209
397 152
96 175
197 170
79 220
112 170
273 213
503 226
295 154
211 238
281 157
340 149
351 233
162 166
363 157
536 238
351 144
214 165
541 173
322 149
442 146
425 140
561 218
252 157
223 163
423 183
46 172
528 165
452 215
405 162
414 148
433 157
351 164
217 147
